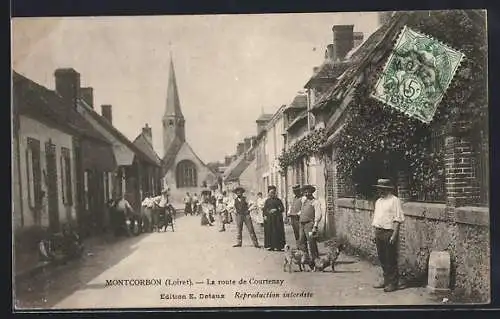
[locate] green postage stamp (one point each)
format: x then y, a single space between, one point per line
417 74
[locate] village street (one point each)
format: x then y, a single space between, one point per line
199 254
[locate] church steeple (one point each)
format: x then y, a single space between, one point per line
173 119
173 107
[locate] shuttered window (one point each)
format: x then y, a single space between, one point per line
66 180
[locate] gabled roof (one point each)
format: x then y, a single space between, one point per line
359 60
175 147
171 153
264 117
299 102
237 167
145 146
113 130
328 72
33 99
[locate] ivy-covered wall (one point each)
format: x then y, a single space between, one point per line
427 227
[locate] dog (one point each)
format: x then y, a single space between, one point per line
334 250
294 256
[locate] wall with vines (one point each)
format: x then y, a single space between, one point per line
373 128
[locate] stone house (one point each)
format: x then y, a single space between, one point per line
270 143
310 169
132 163
52 144
240 172
449 211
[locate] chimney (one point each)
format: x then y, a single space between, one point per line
68 85
227 160
234 158
343 40
358 38
87 94
240 149
106 113
329 52
254 141
248 143
146 131
315 69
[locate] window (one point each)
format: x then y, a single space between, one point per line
66 185
171 122
186 175
34 173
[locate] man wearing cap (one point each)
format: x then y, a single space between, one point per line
294 211
387 218
242 213
310 216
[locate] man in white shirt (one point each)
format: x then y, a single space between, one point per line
310 216
387 218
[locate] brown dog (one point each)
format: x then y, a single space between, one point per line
294 256
329 260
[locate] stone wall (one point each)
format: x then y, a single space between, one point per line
463 232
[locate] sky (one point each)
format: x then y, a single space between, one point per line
229 68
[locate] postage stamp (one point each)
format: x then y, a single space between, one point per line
417 74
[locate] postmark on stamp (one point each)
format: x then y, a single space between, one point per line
417 75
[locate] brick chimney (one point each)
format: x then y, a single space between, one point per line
343 40
148 134
87 94
227 160
240 149
248 143
106 113
358 38
329 52
68 85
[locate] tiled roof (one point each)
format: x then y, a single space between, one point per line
33 99
113 130
237 167
265 117
329 70
299 102
374 49
145 146
359 60
171 153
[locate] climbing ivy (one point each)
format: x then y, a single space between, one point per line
373 128
307 146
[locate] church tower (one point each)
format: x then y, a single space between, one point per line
173 120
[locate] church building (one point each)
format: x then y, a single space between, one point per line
184 170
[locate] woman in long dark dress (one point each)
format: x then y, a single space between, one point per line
274 227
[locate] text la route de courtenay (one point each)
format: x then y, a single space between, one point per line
189 282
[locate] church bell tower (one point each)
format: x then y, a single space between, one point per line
173 120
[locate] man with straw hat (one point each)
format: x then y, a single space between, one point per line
242 211
294 211
310 216
387 218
